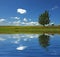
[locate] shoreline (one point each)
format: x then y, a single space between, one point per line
29 29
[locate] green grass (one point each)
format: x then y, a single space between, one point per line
29 29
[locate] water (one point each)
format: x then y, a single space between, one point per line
29 45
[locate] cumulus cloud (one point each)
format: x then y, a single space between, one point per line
25 39
51 23
2 39
17 18
16 36
21 11
21 47
25 20
17 41
2 20
55 7
31 36
16 22
32 23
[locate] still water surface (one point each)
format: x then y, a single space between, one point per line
29 45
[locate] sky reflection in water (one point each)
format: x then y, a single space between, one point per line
29 45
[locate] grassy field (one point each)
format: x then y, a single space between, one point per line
29 29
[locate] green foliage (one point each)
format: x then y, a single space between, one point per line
44 40
44 18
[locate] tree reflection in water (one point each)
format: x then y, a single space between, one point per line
44 40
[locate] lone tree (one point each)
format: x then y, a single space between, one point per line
44 40
44 18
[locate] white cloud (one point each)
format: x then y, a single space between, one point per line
17 41
55 7
51 23
29 23
32 23
2 20
25 20
1 39
23 23
16 22
17 18
21 47
31 36
21 11
16 36
52 36
25 39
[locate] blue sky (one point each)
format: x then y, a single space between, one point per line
20 11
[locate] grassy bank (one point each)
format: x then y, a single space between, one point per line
29 29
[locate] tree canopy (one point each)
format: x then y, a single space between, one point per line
44 18
44 40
